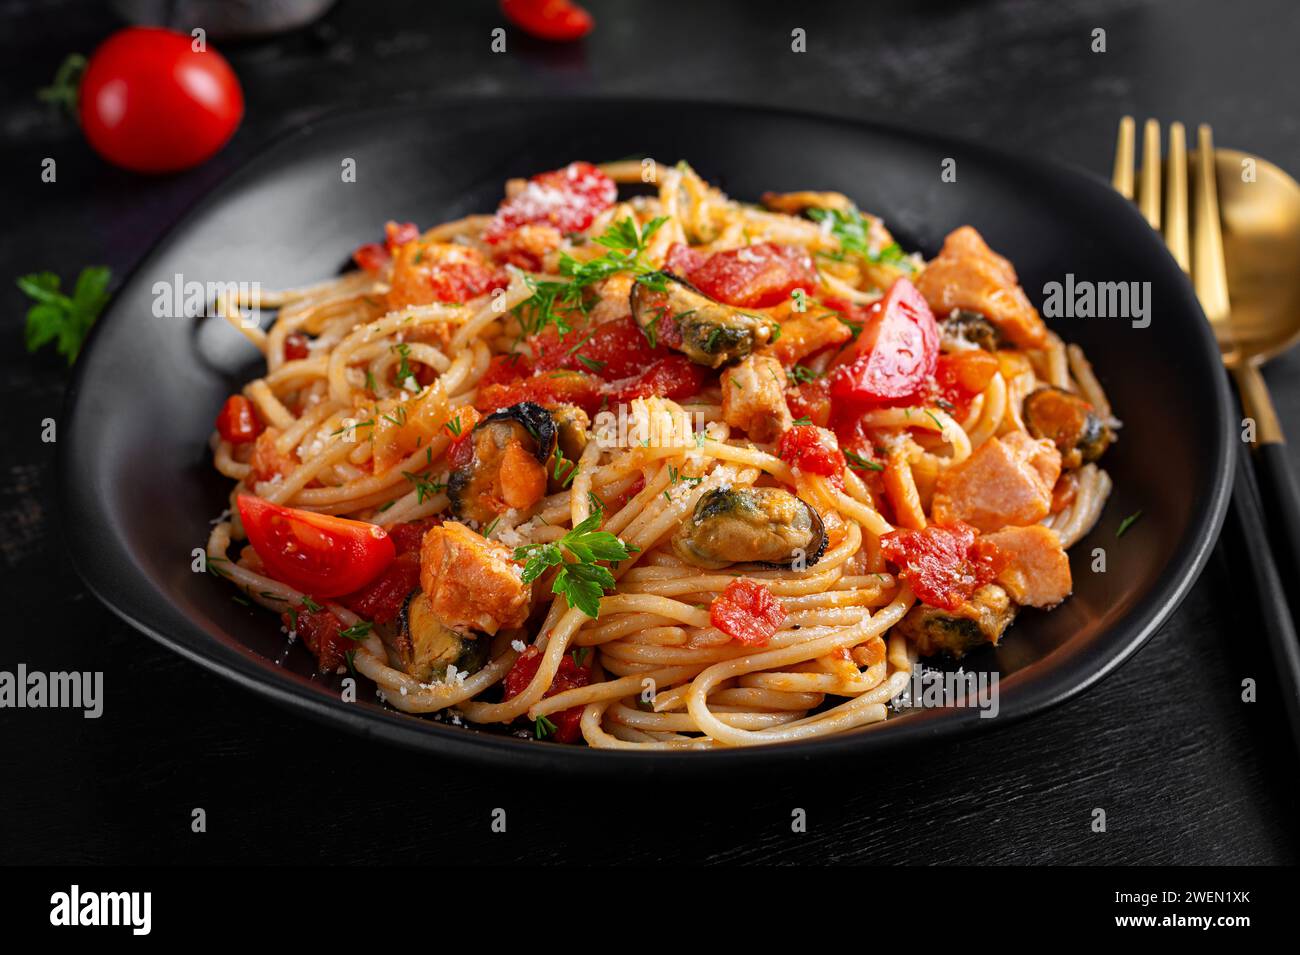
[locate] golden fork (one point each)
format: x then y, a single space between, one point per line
1203 259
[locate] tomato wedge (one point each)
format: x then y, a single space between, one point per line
896 353
320 555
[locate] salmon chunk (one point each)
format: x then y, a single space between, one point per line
753 398
1008 480
967 274
1037 572
804 333
471 582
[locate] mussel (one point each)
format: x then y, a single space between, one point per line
1068 421
962 328
763 525
512 448
423 647
982 619
572 426
712 334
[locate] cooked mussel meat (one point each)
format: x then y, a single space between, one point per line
712 334
764 525
1070 422
508 469
962 328
981 619
572 426
422 646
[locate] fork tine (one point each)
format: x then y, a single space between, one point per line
1209 274
1149 186
1122 175
1176 197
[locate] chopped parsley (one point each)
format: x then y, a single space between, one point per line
425 486
1127 523
853 231
799 374
357 632
553 303
858 463
404 368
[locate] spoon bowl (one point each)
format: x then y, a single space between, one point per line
1261 245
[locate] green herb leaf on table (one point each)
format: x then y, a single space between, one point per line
62 319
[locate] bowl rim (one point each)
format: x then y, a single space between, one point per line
465 743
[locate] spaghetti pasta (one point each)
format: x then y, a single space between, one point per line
664 471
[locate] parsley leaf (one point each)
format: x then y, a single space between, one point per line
582 581
60 318
554 303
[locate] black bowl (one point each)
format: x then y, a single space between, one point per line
138 490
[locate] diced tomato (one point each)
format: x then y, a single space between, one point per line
461 450
549 389
374 256
320 631
506 368
674 377
400 233
814 450
747 612
428 272
557 20
382 599
943 565
296 346
894 357
371 256
317 554
267 460
408 537
237 421
568 199
756 276
612 350
568 723
960 376
811 400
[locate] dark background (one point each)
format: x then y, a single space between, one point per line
1186 772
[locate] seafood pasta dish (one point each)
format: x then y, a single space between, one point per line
630 463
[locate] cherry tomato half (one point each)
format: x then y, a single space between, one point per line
150 102
237 421
320 555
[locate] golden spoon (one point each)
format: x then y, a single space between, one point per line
1259 210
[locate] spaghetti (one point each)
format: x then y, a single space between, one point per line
659 470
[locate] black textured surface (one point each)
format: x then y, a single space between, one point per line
1185 771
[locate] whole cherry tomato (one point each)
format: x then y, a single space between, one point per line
320 555
150 102
558 20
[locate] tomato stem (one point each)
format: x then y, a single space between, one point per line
66 88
